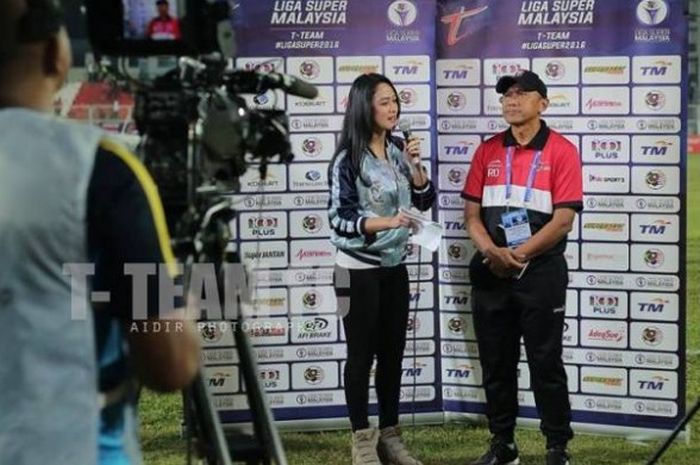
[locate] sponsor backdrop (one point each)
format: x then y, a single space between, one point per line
616 72
616 77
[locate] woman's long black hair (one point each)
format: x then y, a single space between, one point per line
358 123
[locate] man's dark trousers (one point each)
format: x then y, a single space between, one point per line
532 307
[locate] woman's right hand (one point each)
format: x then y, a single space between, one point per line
399 220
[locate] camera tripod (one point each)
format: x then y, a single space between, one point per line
689 416
203 430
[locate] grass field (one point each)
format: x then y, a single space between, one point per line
455 444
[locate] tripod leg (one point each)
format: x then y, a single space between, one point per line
675 433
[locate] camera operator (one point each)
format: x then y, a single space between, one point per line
69 196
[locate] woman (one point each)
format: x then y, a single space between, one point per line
372 175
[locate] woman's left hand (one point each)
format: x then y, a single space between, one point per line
412 150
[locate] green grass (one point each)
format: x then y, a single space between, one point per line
455 444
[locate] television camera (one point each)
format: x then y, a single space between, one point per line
198 137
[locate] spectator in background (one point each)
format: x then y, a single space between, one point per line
163 26
68 195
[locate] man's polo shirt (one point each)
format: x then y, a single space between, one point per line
557 184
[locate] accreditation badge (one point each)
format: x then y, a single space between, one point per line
516 226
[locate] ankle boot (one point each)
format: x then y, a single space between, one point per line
364 447
392 450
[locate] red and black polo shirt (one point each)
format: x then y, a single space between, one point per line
558 181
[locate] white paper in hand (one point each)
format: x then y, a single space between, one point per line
426 233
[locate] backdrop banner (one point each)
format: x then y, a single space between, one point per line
617 77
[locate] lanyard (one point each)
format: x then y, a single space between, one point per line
530 176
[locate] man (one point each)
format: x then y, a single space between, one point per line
163 26
522 194
67 196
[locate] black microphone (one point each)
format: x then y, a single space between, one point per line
255 82
405 128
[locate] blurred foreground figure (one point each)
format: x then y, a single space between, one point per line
69 196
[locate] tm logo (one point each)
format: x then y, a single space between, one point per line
404 70
660 148
455 74
659 69
655 306
658 227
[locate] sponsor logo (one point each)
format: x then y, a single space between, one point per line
210 333
654 258
461 371
321 398
269 377
267 330
261 99
414 324
656 305
309 69
659 148
406 70
657 228
606 149
655 179
314 375
454 176
611 382
454 23
597 178
311 299
263 226
505 69
457 325
652 336
456 101
408 97
599 103
614 70
656 383
460 72
218 379
312 223
555 70
652 12
655 100
267 66
604 304
606 227
358 69
305 254
311 200
456 251
314 329
402 13
313 175
462 148
311 146
657 69
605 335
459 298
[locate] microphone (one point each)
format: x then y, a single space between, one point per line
405 128
255 82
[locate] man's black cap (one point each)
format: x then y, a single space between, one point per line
162 2
527 80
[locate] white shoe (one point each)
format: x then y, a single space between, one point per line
364 447
392 450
